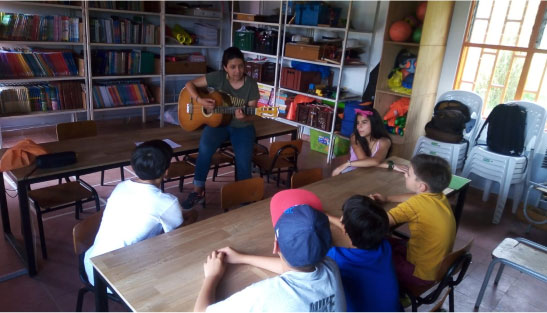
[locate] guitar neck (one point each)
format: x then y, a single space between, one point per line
232 110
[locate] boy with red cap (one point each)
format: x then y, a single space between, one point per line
308 281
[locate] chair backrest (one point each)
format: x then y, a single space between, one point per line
83 233
451 259
74 130
306 177
473 101
278 145
242 191
535 123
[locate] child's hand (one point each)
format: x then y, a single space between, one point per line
340 168
231 255
401 168
378 197
214 266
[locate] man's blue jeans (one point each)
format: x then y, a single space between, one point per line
212 137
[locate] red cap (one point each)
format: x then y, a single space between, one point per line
285 199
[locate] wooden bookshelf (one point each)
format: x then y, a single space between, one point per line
430 53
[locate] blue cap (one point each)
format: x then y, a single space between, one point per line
303 235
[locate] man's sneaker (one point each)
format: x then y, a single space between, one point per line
193 199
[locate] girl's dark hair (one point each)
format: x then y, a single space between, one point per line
151 159
365 222
377 130
231 53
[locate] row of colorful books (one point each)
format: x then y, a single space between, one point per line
37 64
148 6
107 62
29 27
120 93
123 31
266 96
41 97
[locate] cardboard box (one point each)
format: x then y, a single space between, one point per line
245 17
184 67
302 51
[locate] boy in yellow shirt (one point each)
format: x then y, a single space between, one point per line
430 220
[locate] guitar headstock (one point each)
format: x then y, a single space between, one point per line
266 111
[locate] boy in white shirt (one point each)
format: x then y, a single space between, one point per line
308 281
138 209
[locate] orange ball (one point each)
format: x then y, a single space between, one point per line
420 11
400 31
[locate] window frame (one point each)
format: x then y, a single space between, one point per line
530 51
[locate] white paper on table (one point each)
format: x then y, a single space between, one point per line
170 142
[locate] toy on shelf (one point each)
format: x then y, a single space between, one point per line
402 76
409 28
400 31
395 118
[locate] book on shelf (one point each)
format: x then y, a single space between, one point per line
31 27
22 64
126 62
266 95
43 97
148 6
122 31
111 94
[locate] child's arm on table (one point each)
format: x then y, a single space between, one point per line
214 269
272 264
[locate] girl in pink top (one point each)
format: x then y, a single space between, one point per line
370 142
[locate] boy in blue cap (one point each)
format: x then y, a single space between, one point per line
308 280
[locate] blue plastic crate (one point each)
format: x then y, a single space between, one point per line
315 12
349 109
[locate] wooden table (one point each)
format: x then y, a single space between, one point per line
100 153
165 273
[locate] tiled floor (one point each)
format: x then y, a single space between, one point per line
56 286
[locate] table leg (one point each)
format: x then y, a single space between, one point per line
26 228
101 300
458 210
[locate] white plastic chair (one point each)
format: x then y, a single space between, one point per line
454 153
504 169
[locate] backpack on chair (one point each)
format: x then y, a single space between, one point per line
506 130
448 121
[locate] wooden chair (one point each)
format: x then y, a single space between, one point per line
178 171
456 263
83 235
306 177
219 159
80 129
58 197
239 192
282 156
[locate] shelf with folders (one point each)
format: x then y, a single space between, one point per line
337 42
129 7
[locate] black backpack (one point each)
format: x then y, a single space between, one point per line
448 121
506 130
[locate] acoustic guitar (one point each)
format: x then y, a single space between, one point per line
193 115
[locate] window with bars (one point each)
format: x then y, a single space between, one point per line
504 54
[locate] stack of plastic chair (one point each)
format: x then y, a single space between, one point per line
454 153
504 169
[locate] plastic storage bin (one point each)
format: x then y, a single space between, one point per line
316 12
244 40
319 142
